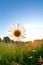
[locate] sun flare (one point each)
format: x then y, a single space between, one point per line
17 33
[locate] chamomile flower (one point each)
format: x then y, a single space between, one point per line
17 32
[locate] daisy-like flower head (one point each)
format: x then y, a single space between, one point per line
17 32
30 57
33 50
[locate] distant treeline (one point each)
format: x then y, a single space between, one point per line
35 42
6 40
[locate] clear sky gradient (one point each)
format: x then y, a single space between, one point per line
27 12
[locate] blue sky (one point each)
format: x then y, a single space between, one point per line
27 12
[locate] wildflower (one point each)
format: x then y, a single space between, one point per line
30 57
33 50
17 32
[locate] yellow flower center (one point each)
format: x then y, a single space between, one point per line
17 33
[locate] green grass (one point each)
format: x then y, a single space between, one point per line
13 54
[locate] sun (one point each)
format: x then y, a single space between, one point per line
17 32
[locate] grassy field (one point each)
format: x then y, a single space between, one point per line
20 54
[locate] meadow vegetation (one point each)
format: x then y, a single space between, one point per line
21 53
